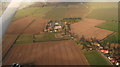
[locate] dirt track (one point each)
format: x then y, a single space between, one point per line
87 29
46 53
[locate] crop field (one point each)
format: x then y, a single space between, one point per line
45 37
32 46
24 38
32 12
8 41
107 11
17 27
57 13
104 14
87 29
95 58
64 12
112 26
53 13
46 53
36 27
114 38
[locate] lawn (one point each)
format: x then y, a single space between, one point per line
112 26
95 58
25 38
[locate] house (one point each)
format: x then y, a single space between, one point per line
104 51
53 26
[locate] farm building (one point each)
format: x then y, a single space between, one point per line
54 26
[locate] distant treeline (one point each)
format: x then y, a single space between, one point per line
71 19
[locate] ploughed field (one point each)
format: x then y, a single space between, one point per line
31 21
27 25
87 29
46 53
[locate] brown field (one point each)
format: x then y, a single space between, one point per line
36 27
87 29
46 53
7 43
27 25
18 26
22 26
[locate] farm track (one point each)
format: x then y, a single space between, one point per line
87 29
47 53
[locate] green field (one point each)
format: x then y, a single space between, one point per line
114 38
98 5
45 37
112 26
32 12
95 58
25 38
54 12
57 13
104 11
104 14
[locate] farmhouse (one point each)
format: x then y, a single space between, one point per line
53 26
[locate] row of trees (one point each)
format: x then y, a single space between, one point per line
113 48
71 20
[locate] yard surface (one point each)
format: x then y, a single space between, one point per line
95 58
46 53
